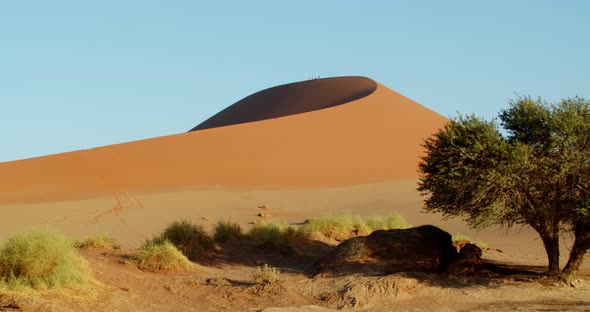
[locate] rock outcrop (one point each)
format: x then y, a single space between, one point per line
421 249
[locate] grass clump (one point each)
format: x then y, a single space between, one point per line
224 231
98 241
265 278
162 256
344 226
191 239
274 233
41 259
462 237
394 221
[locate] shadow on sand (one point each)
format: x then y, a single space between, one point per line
301 258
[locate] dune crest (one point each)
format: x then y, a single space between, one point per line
290 99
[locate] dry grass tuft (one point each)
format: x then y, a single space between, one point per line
98 241
162 256
266 278
41 259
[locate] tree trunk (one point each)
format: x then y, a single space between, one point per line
581 246
551 243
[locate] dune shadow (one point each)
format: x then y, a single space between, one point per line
290 99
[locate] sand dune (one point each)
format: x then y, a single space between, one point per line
357 132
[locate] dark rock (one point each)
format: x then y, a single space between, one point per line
421 249
468 261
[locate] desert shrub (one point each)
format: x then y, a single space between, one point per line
463 237
343 226
273 233
266 277
191 239
226 231
161 256
41 259
98 241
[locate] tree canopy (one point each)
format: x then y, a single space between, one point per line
531 169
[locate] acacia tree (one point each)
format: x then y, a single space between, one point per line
571 124
536 175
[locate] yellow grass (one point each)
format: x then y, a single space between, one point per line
344 226
97 241
162 256
41 259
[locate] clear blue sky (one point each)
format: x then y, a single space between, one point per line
81 74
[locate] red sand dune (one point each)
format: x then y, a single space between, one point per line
331 132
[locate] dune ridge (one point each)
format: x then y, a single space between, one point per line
293 98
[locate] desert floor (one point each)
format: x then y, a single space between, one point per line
222 280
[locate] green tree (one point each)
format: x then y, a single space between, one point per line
536 175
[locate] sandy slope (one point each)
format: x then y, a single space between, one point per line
373 139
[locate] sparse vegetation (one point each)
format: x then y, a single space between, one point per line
224 231
344 226
265 278
41 259
162 256
98 241
191 239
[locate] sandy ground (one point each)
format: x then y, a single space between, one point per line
131 218
224 282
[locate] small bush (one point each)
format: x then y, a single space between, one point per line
191 239
98 241
266 277
41 259
162 256
227 231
